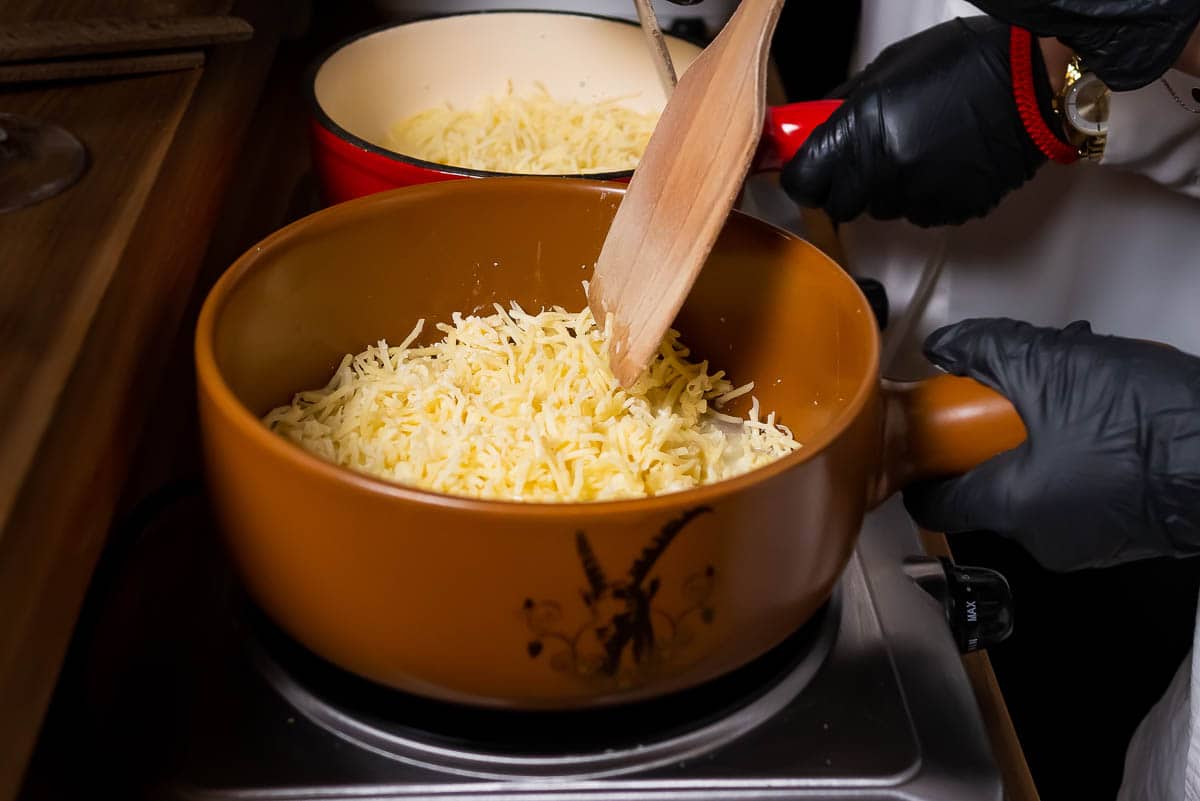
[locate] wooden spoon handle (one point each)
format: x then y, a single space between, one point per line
764 14
657 44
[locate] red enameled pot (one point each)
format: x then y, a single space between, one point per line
365 85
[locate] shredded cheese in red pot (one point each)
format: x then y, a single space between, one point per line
532 134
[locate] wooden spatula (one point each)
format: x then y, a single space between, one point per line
683 188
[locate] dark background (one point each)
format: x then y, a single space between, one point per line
812 45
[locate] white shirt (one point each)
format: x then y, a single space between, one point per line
1117 244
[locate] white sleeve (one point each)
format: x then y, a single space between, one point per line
1155 131
1163 758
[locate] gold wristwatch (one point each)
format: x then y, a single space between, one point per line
1082 105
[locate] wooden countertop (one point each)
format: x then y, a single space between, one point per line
92 286
99 290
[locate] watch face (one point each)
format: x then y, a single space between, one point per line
1086 105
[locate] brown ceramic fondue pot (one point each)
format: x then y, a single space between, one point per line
554 606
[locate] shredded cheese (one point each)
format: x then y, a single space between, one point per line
534 134
525 407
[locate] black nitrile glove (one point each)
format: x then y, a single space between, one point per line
1110 472
1127 43
929 131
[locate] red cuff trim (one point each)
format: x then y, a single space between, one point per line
1021 61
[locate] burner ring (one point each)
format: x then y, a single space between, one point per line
800 658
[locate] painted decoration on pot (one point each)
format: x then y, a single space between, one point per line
627 637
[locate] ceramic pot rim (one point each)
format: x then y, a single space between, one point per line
250 428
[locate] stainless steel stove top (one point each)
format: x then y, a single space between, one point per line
870 701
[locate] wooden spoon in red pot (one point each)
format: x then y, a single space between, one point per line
683 188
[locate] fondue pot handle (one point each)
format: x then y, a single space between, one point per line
941 427
786 129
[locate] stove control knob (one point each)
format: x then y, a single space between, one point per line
980 613
978 601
